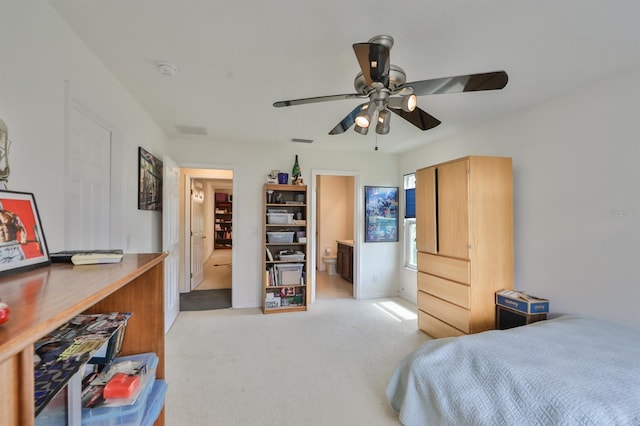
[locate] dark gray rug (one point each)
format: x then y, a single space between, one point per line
205 300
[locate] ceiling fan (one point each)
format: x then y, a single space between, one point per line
386 87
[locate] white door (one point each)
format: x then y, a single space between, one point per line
170 237
87 183
197 233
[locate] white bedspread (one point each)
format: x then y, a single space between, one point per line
566 371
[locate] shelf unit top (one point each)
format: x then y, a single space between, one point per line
280 187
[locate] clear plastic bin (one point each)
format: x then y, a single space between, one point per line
290 274
129 415
155 402
280 218
280 237
298 256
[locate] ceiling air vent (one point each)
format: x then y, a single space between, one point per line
298 140
191 130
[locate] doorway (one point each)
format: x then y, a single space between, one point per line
208 260
334 202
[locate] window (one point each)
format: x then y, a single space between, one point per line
410 249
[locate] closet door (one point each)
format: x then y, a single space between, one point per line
426 232
453 209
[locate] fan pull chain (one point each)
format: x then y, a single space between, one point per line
376 148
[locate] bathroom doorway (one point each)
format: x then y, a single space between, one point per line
335 235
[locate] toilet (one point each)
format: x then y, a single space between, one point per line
330 261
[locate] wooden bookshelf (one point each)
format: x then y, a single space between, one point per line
43 299
223 217
280 202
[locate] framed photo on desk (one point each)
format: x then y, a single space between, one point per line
22 242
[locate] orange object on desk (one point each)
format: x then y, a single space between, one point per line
121 386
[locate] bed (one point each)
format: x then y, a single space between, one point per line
570 370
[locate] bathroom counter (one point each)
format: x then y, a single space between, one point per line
344 264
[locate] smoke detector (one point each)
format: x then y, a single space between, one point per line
167 69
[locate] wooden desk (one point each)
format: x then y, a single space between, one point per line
45 298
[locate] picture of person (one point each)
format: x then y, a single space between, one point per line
50 350
22 242
12 236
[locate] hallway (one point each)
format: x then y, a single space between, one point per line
217 271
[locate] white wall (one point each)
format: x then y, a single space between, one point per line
39 53
576 197
251 164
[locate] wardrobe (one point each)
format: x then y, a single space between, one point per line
464 225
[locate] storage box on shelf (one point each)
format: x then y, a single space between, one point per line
285 248
126 414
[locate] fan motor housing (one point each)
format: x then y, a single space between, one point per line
397 78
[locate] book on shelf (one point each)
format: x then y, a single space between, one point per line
67 255
95 258
269 255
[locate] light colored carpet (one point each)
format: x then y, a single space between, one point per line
327 366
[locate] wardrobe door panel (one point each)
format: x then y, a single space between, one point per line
426 210
453 209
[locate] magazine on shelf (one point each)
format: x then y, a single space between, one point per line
61 353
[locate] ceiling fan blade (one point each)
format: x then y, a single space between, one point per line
374 62
419 118
348 121
317 99
462 83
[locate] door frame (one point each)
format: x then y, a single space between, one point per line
199 171
358 223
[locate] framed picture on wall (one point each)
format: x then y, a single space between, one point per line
22 242
149 181
381 214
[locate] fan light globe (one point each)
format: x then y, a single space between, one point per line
411 102
362 121
364 117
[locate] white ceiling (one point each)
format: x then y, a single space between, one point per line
235 58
